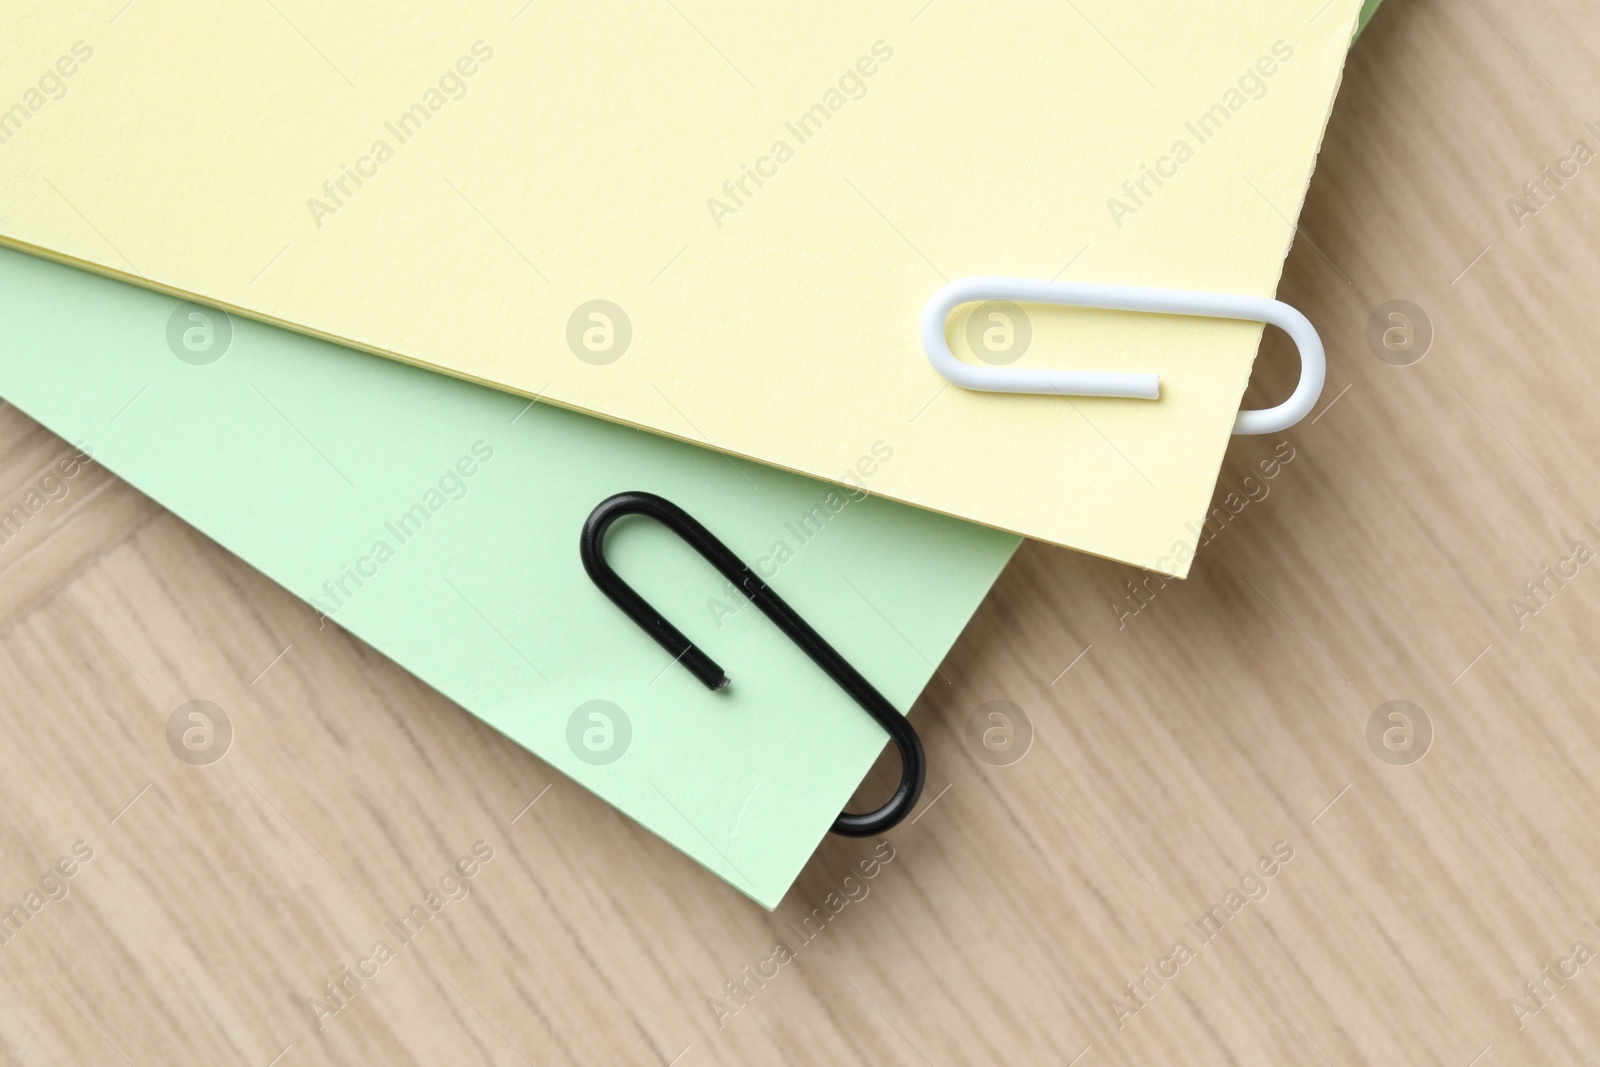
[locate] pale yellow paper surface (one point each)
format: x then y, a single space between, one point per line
576 161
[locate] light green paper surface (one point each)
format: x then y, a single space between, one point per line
1368 9
487 602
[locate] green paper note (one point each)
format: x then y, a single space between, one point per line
438 521
1368 9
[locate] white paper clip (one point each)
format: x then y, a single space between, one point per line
1313 363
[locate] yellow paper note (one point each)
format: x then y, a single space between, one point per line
714 220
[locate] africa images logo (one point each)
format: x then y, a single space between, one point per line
451 486
1138 191
738 190
450 85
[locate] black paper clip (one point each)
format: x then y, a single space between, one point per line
591 549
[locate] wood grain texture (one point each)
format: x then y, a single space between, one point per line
1226 716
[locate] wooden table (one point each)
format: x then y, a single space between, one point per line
1391 892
